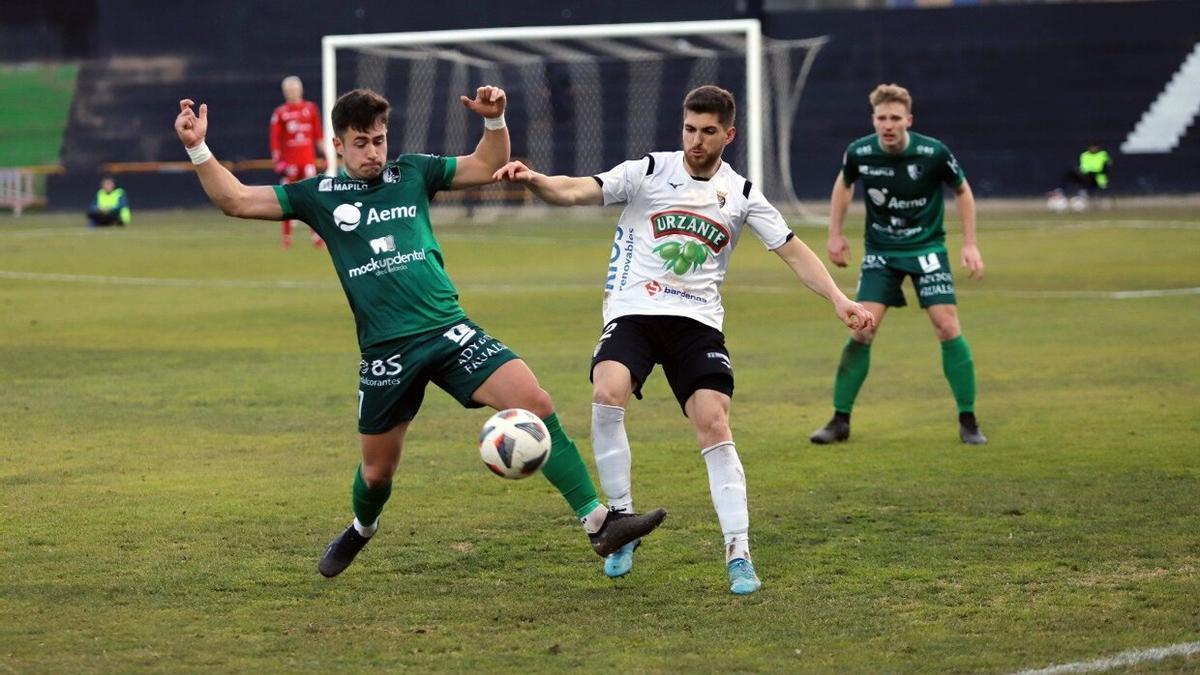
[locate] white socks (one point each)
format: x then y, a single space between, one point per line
726 479
727 483
365 531
594 520
610 446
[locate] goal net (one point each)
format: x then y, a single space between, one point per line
582 98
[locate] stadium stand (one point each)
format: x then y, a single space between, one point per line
1015 89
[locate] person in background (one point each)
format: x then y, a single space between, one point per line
295 136
1091 176
903 173
110 207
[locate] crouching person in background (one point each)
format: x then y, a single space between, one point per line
110 207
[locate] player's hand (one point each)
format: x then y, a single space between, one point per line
191 128
839 249
972 259
281 168
514 172
489 101
854 315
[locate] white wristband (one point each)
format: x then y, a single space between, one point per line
494 123
200 153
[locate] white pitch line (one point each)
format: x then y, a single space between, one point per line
523 288
1028 295
1129 658
176 235
1089 295
157 281
1001 224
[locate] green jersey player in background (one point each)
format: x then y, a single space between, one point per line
902 174
375 222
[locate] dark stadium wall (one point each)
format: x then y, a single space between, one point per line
272 29
233 53
1016 91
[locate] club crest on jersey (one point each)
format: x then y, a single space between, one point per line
391 174
347 216
914 171
721 199
652 288
666 223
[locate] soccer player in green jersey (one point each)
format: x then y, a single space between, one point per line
902 173
375 221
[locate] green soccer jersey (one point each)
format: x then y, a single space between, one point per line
903 192
381 241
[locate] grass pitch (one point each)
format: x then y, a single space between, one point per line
178 440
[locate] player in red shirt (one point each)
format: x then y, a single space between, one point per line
295 137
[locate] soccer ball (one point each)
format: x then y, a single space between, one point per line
514 443
1056 202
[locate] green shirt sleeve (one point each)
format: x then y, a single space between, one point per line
284 203
298 201
437 171
849 166
948 169
449 168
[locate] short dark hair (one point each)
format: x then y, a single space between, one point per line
359 109
711 99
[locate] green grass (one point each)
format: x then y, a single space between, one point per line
31 133
173 458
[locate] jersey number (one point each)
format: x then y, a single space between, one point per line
391 366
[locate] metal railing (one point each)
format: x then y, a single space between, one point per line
16 190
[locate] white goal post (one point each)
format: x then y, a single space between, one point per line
556 63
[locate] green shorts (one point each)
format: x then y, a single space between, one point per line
881 277
392 375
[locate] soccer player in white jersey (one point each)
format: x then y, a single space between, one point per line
684 212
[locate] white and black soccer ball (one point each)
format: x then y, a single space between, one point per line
1056 202
515 443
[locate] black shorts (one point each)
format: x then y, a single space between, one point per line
693 356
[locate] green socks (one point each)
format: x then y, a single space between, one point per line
959 368
851 373
957 364
567 472
368 501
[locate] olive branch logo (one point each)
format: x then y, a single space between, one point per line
681 258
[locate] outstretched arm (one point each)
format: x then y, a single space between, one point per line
222 187
556 190
837 245
493 149
972 259
812 272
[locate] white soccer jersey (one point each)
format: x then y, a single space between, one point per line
676 234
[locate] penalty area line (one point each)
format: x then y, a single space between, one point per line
1127 658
